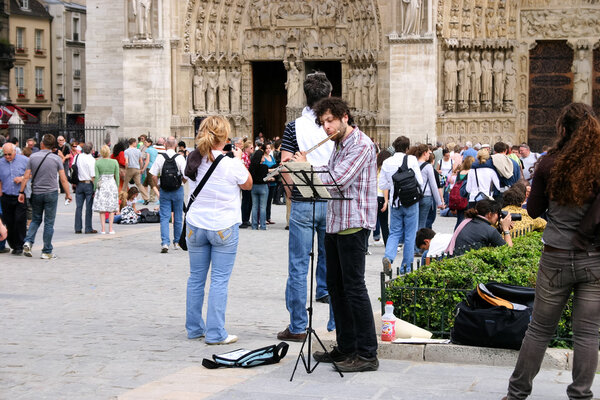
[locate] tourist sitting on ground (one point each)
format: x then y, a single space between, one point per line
128 214
512 200
478 229
433 244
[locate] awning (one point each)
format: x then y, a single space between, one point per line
9 109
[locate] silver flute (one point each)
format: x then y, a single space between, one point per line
277 170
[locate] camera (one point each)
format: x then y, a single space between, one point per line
513 216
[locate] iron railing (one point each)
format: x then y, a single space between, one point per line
80 133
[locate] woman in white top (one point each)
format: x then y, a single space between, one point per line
212 229
431 195
480 180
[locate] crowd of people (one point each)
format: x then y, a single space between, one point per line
393 193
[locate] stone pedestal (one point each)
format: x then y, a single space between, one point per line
413 90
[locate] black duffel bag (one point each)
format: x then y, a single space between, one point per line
480 321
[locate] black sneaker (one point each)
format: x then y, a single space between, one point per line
358 364
324 299
334 354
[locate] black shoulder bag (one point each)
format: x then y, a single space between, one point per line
182 241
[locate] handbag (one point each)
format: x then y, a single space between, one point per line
491 316
182 241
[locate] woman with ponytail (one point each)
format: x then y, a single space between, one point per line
566 182
213 221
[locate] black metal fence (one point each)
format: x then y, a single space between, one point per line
80 133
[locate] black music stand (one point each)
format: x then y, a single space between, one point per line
305 178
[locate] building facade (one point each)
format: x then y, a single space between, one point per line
447 70
30 79
68 59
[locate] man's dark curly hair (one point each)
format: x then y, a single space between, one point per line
336 106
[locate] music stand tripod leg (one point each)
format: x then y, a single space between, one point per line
309 330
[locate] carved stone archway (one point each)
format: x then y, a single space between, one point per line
223 37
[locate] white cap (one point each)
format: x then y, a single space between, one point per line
485 145
477 146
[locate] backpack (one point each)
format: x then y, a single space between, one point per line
407 190
74 172
248 358
170 177
456 202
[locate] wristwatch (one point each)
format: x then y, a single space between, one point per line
21 192
506 233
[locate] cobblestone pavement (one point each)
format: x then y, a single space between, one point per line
106 320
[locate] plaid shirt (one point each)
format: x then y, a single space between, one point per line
353 166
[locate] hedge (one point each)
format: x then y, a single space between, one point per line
434 309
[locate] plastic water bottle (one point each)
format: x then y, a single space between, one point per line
388 323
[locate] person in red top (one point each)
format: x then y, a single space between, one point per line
119 155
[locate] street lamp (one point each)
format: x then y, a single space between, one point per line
61 104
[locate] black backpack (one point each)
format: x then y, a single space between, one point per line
407 190
170 177
493 315
74 172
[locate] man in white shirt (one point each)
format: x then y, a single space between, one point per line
434 243
171 199
135 164
528 158
84 191
403 220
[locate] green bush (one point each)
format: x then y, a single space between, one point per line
443 284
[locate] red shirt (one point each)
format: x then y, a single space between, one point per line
120 158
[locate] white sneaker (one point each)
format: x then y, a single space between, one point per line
228 340
164 248
27 249
176 246
48 256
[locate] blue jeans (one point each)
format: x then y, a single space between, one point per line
559 275
300 241
403 228
171 202
43 204
260 193
425 204
84 193
218 247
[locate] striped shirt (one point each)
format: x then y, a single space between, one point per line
289 142
353 166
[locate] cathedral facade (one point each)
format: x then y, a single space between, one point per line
445 70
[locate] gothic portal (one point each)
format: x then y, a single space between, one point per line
231 42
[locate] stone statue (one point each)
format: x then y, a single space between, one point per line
211 91
358 89
350 85
365 90
199 91
142 10
510 81
292 85
235 84
475 81
211 38
411 20
223 84
486 80
373 88
450 80
464 80
498 69
199 39
581 78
